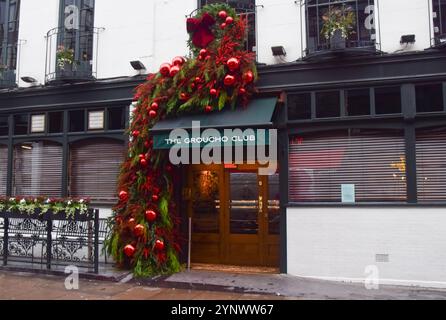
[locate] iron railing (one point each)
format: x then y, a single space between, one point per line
52 240
82 65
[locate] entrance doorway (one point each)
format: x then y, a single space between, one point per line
235 215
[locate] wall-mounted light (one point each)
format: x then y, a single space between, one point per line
137 65
278 51
407 39
30 80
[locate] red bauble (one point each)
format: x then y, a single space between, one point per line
178 61
118 220
152 114
155 198
155 106
229 20
132 221
135 134
193 86
229 80
223 15
151 215
143 162
203 52
174 70
165 69
213 92
139 230
159 245
184 96
123 196
242 91
208 109
146 144
233 64
129 250
248 77
223 26
197 80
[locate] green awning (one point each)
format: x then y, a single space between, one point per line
258 114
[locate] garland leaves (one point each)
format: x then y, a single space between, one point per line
220 74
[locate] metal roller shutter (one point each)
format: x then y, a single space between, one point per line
374 162
3 169
431 164
37 169
94 168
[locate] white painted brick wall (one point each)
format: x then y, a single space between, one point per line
339 243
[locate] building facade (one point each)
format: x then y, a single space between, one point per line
360 191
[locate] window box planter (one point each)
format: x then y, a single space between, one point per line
37 215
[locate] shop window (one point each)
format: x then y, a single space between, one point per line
429 97
9 31
3 169
94 167
328 104
21 124
37 169
117 118
431 164
357 102
96 120
77 121
38 123
246 9
299 106
55 120
351 166
388 100
439 21
363 31
4 126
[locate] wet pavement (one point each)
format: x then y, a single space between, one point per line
201 285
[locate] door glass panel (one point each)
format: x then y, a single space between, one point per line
205 202
243 203
273 204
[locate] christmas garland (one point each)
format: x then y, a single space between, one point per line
220 73
43 205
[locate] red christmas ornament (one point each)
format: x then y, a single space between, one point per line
193 86
213 92
118 219
197 80
159 245
132 221
174 70
223 15
129 250
203 52
229 20
248 77
208 109
223 26
229 80
165 69
155 106
151 215
153 114
155 198
135 134
184 96
143 162
233 64
123 196
139 230
178 61
242 91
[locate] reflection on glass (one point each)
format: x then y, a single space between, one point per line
205 202
244 203
273 204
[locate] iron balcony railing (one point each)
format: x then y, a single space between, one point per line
71 55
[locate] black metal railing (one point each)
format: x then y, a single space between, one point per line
52 240
71 55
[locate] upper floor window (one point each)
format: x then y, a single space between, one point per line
247 9
356 19
439 21
9 36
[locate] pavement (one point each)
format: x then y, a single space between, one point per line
201 285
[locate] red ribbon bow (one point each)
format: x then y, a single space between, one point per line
201 29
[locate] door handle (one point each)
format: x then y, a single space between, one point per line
260 204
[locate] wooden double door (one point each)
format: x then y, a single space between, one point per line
235 215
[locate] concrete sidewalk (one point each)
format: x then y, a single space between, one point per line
289 286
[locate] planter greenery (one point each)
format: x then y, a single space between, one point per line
42 206
64 57
338 24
